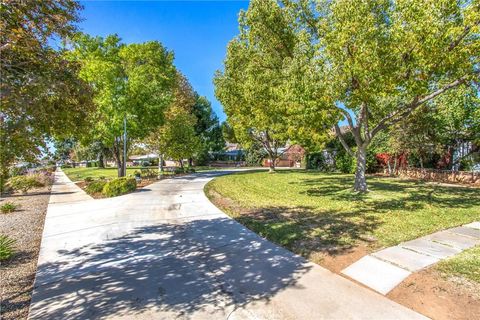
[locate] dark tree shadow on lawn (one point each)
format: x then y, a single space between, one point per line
305 230
170 267
418 193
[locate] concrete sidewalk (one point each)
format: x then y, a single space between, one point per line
166 252
385 269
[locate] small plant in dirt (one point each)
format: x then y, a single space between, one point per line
25 183
119 186
8 207
88 179
95 186
6 247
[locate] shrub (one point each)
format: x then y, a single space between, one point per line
8 207
16 171
66 166
119 186
102 177
6 247
95 186
345 163
178 170
190 170
88 179
44 177
25 183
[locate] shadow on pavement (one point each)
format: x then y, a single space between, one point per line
202 265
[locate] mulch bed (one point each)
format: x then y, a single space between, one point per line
437 297
18 273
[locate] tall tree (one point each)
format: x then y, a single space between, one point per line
177 137
382 60
268 88
250 87
207 128
40 94
133 84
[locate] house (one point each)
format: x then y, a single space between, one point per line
290 157
139 160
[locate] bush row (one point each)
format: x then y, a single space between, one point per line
112 188
29 181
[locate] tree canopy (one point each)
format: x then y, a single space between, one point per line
380 61
133 82
41 95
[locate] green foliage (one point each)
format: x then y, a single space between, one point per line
119 186
317 160
260 87
376 62
207 128
88 179
41 94
25 183
7 247
95 186
344 162
254 155
8 207
132 81
178 170
177 138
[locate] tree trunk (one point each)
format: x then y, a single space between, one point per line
160 163
101 164
190 162
118 158
271 168
360 179
181 163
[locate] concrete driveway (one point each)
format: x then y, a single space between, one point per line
167 253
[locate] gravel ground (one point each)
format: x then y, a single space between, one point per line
18 273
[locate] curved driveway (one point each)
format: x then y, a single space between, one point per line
166 252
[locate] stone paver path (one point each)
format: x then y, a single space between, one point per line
385 269
166 252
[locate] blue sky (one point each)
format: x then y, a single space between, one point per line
197 31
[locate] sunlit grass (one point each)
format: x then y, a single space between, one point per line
79 174
465 264
308 210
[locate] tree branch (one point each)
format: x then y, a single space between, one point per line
462 36
400 113
342 140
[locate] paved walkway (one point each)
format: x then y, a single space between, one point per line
166 252
385 269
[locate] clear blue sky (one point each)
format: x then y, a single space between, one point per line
197 31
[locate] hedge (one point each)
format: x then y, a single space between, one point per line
119 186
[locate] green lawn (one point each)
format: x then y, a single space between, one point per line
308 211
465 264
78 174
